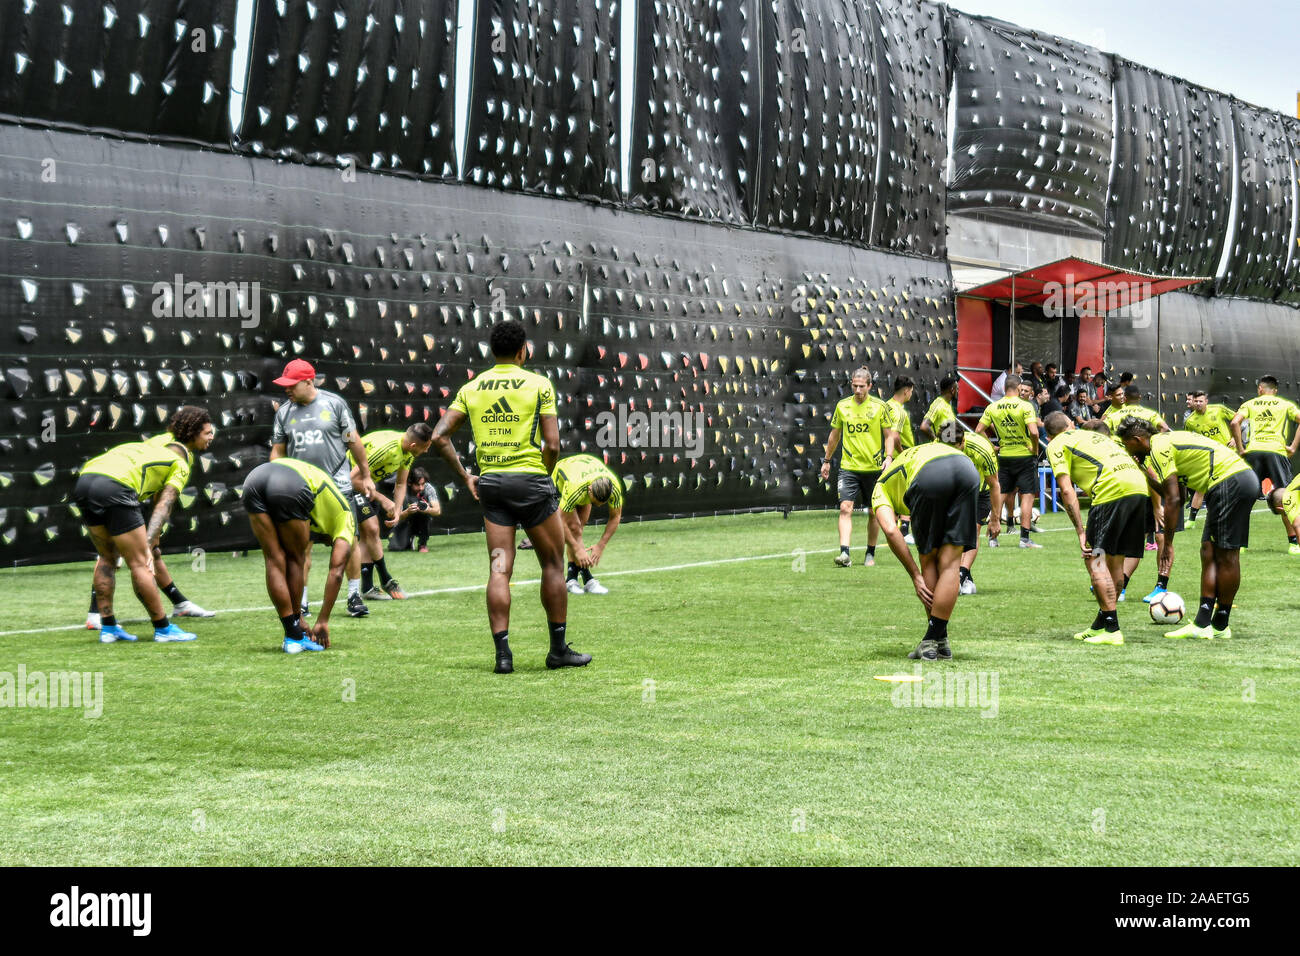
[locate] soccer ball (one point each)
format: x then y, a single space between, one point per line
1167 609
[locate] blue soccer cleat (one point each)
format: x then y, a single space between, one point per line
305 644
1155 595
113 634
171 634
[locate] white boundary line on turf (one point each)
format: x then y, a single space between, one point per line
481 587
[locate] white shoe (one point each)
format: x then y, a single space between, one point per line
595 587
909 539
967 586
993 542
1026 543
190 609
843 560
574 585
92 621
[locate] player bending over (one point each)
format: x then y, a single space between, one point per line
989 511
1231 490
1286 502
286 501
109 492
1091 463
582 480
939 487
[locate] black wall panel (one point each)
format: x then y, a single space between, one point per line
154 67
545 110
1264 204
365 80
1033 135
1290 292
1171 193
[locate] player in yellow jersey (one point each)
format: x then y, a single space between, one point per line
1268 453
1286 502
1013 425
286 501
989 507
390 454
941 411
939 487
1212 421
517 443
1231 490
583 481
109 493
857 425
896 429
1090 463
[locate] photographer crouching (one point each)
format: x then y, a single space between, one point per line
416 522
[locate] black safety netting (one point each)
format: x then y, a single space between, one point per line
1264 204
362 83
1033 124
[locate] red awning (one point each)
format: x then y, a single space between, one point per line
1079 287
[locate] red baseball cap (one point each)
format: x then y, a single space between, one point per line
295 372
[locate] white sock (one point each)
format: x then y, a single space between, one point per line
304 595
354 587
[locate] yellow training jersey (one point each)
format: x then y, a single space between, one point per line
939 414
1269 417
982 454
573 477
1010 419
1115 417
384 453
505 406
330 513
146 467
1096 466
893 484
1202 462
859 425
896 417
1291 500
1213 423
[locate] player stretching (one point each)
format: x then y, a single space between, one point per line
581 481
286 501
1267 452
1231 490
941 411
1015 424
1286 502
1212 421
109 491
1091 463
516 441
857 423
939 487
388 452
989 511
896 430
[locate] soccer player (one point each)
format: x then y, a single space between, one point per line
1267 452
517 442
1231 490
989 506
941 411
939 487
1286 502
857 423
1091 463
286 501
1015 425
389 453
896 430
319 427
109 492
1130 406
581 481
1212 421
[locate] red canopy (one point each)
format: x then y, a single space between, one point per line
1079 287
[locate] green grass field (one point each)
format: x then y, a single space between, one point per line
730 717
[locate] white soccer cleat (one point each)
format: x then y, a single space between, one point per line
909 539
595 587
92 621
1031 545
190 609
967 587
993 542
574 586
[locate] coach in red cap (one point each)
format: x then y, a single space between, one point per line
316 426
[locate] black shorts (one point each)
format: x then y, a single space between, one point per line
1227 511
943 499
278 491
104 501
1018 473
984 507
1271 465
855 483
1119 527
363 508
517 498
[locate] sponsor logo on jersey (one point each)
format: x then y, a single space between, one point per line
500 412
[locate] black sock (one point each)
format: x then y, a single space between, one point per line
1126 580
1221 617
94 603
1110 621
160 624
962 572
557 636
1024 533
384 577
871 550
1151 539
424 542
174 593
367 576
844 549
1194 511
937 630
1099 621
1162 581
1292 538
502 641
585 574
905 527
573 572
292 626
1205 612
108 620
